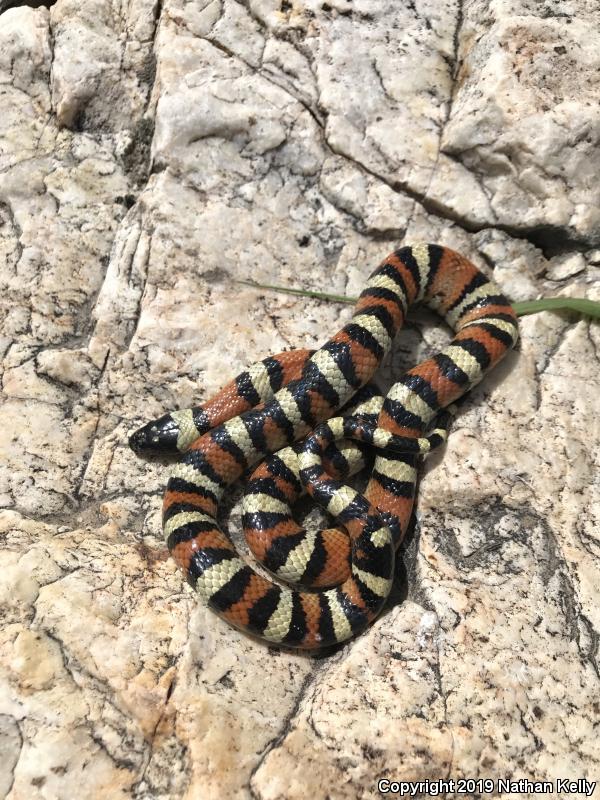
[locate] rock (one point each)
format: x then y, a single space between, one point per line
567 266
524 111
151 156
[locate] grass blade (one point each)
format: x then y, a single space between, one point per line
583 306
336 298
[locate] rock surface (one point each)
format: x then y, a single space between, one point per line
151 154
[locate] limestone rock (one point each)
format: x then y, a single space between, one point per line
151 155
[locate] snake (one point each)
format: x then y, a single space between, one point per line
282 416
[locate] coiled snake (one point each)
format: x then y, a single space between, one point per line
284 398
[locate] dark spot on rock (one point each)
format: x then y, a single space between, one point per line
128 200
371 753
226 681
79 121
215 275
6 4
136 158
151 555
147 71
304 240
561 50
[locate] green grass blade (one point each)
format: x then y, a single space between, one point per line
336 298
583 306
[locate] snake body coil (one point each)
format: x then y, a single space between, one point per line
294 395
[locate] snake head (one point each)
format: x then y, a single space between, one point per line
156 438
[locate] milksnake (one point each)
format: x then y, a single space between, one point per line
293 396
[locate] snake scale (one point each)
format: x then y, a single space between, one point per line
346 573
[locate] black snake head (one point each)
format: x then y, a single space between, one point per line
156 438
